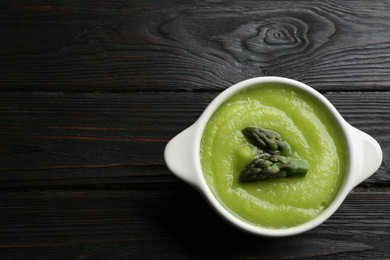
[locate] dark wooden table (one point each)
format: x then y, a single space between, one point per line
91 92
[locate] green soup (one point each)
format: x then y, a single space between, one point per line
310 130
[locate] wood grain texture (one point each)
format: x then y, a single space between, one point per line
151 225
91 92
117 139
124 46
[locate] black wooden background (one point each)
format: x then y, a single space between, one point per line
91 92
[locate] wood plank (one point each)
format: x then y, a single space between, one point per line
192 46
118 140
171 224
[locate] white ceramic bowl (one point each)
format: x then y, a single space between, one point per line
182 156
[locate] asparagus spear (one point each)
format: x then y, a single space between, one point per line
269 141
273 166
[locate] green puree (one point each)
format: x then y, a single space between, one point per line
310 130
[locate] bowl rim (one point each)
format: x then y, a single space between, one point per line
228 215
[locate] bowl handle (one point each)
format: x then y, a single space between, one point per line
180 156
368 155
